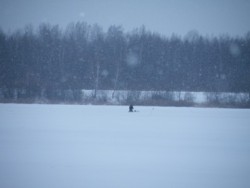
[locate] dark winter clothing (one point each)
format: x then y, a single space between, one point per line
131 108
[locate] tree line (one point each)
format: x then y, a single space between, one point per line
49 61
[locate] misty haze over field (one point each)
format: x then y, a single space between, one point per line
140 76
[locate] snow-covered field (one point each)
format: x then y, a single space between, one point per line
74 146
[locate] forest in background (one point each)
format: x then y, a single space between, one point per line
47 62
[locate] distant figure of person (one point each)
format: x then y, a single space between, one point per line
131 108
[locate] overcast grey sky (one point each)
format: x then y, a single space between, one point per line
212 17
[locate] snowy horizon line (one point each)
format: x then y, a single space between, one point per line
63 28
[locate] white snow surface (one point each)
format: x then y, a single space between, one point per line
77 146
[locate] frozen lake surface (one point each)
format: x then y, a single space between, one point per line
62 146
